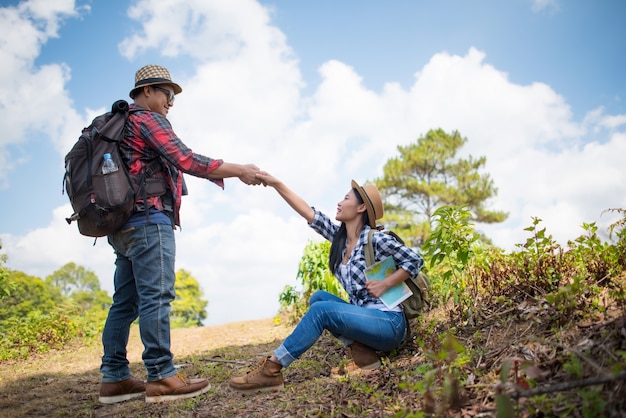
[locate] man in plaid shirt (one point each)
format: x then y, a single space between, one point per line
145 246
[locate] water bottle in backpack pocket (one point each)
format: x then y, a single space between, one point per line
108 165
115 182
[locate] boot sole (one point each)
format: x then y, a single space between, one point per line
372 366
352 369
261 390
119 398
168 398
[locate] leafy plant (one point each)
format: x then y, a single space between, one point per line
37 333
313 274
6 285
593 404
619 224
573 366
449 249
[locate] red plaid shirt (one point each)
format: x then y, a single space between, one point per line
149 135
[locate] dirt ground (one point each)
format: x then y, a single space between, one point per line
185 341
35 387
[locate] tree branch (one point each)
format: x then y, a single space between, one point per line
559 387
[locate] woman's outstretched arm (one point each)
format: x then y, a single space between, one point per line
296 202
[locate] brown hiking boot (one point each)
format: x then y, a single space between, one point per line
175 387
114 392
265 377
363 358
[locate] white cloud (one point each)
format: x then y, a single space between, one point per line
535 151
242 89
552 6
30 96
41 251
597 120
206 30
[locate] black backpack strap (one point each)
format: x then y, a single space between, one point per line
407 331
150 169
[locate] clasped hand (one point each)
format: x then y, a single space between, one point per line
249 175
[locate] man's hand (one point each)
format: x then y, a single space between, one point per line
248 174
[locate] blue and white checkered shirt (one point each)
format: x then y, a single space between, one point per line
384 245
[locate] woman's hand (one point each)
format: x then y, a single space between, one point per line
267 179
376 288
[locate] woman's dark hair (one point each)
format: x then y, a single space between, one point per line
339 240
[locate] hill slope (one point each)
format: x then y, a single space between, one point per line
448 376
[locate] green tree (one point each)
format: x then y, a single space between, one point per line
188 309
88 300
81 286
29 294
71 278
427 175
37 316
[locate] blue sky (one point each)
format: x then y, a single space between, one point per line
317 93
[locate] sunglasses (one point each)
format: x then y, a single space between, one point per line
170 94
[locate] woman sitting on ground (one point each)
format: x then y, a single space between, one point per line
364 323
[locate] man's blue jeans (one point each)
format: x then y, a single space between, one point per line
383 331
144 287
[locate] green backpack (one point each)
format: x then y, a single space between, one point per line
414 305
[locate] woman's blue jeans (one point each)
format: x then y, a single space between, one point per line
383 331
144 286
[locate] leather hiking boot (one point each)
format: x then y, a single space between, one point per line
175 387
114 392
265 377
363 356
